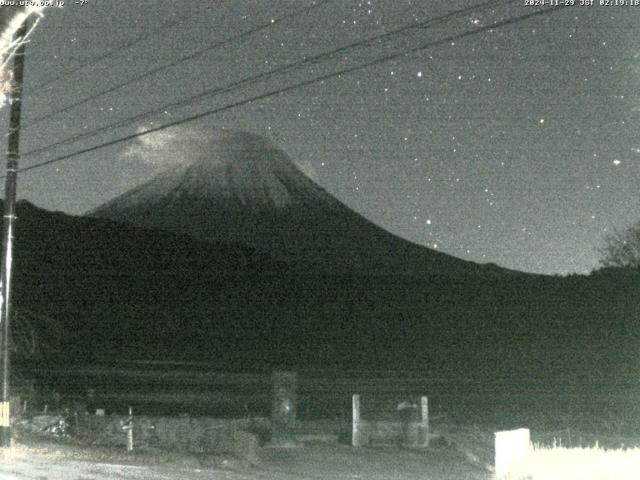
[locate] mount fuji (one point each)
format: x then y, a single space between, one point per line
246 190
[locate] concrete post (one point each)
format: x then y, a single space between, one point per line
356 430
423 437
511 447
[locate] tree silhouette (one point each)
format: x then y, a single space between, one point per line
622 248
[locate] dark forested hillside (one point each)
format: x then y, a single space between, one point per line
131 293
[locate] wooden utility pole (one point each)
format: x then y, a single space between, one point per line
8 226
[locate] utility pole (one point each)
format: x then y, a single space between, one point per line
8 226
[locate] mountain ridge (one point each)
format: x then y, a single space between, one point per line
248 191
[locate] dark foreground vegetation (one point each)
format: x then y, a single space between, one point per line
93 290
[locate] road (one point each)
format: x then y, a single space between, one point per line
78 470
318 462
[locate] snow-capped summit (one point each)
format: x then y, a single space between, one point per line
251 171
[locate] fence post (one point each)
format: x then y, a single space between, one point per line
424 422
356 431
283 414
128 427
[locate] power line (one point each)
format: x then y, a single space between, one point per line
282 90
295 65
116 50
180 60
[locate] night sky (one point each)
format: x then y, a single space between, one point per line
517 145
